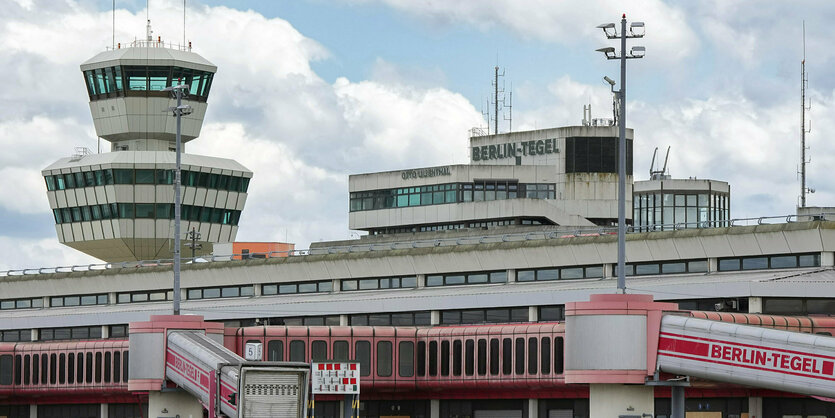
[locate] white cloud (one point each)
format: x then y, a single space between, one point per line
268 110
562 22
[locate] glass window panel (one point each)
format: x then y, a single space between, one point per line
820 306
156 296
809 260
358 320
408 282
783 261
450 317
497 315
571 273
645 269
454 279
698 266
406 359
88 300
362 354
472 316
691 200
230 292
755 263
380 319
269 289
85 213
195 293
287 288
72 301
368 284
672 268
212 292
525 275
137 78
498 277
23 303
158 78
122 176
477 278
402 319
307 287
145 176
594 272
348 284
145 210
423 318
384 358
551 313
729 264
785 306
340 350
37 303
434 281
326 286
297 351
547 274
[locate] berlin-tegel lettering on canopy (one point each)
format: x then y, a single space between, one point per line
515 149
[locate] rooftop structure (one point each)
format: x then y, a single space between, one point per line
119 206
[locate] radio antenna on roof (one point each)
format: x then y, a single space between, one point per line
804 81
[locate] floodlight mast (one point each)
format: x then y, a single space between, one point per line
636 30
178 91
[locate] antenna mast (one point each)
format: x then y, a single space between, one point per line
804 81
114 25
509 107
496 102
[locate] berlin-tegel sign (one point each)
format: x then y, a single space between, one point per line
748 355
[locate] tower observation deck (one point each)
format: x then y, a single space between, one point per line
119 205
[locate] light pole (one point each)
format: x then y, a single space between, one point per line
636 30
193 235
179 91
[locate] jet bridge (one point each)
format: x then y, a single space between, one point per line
171 355
747 355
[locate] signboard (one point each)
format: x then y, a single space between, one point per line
743 354
330 377
515 149
253 351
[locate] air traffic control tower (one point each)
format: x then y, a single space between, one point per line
119 205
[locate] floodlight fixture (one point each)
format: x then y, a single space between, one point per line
637 52
636 29
609 30
609 52
609 80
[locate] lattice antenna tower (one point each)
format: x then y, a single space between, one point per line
804 83
509 106
498 98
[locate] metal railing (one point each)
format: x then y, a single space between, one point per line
426 243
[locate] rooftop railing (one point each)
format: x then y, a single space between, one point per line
428 243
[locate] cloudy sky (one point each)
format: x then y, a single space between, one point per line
309 91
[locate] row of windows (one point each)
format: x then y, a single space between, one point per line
70 333
65 368
466 278
458 225
563 273
799 306
699 209
666 267
482 316
505 357
145 211
16 335
122 80
78 300
145 296
300 287
769 262
221 292
21 303
391 319
467 360
380 283
438 194
145 176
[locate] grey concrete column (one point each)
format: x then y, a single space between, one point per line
434 408
105 331
257 290
533 408
343 320
827 259
337 285
34 334
111 298
608 271
435 317
104 411
677 402
511 275
755 304
421 280
33 411
533 313
712 265
755 407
